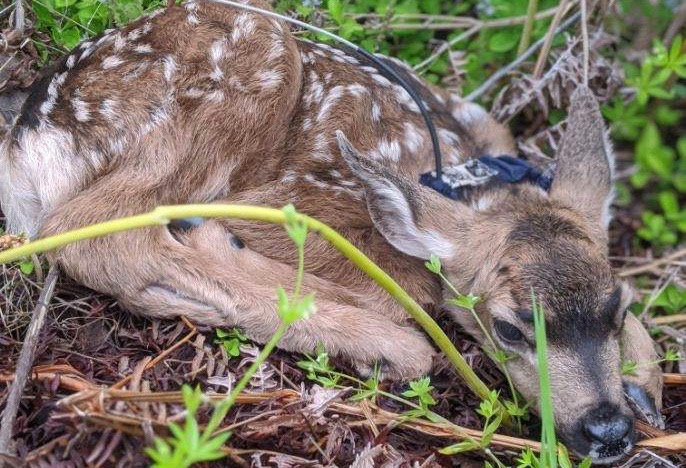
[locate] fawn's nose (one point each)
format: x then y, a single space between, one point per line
608 426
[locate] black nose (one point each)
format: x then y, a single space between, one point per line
607 425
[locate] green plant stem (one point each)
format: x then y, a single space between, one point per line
300 273
528 27
548 441
503 367
163 214
225 405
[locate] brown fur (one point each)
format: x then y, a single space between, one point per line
210 104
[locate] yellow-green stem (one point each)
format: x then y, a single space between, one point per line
528 27
163 214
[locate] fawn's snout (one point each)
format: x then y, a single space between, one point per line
608 431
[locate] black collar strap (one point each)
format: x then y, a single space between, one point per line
476 172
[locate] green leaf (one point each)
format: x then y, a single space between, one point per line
502 41
460 447
434 264
669 203
335 8
629 368
68 37
27 267
466 302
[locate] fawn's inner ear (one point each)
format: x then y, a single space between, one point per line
409 216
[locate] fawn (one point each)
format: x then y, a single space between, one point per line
207 103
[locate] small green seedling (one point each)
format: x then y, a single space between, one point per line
230 340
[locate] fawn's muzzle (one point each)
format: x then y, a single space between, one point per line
609 432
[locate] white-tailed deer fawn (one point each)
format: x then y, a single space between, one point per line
206 103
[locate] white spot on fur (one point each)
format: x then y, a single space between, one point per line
119 42
389 149
357 89
216 96
288 177
413 138
133 74
71 61
277 50
483 203
108 109
382 80
192 19
111 62
135 34
81 111
117 146
447 137
243 25
169 68
53 90
143 49
316 92
269 79
468 113
376 112
217 53
307 123
321 148
404 98
331 98
194 93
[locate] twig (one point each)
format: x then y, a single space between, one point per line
25 361
447 45
19 17
477 25
495 77
163 354
674 379
548 39
528 27
667 319
584 40
654 264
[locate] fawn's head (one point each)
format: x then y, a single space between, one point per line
519 239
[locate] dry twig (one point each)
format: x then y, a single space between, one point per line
25 361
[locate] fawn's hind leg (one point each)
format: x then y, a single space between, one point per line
203 274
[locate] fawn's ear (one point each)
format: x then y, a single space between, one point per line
413 219
585 163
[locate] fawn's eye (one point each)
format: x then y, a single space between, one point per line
507 331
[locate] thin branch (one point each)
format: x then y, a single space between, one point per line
25 361
584 40
495 77
476 26
654 264
528 27
19 16
447 45
548 39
